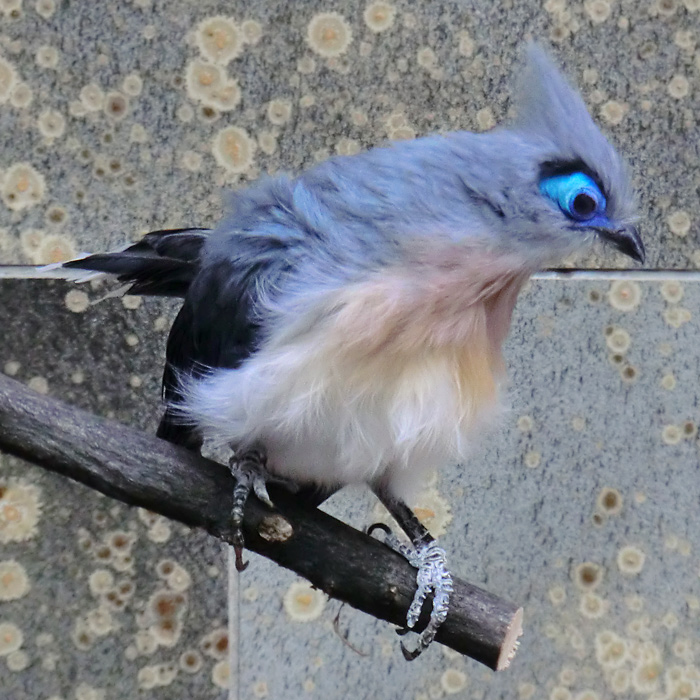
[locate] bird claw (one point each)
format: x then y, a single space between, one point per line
249 471
260 490
433 576
379 526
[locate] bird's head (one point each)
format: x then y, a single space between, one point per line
558 184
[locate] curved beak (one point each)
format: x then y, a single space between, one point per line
627 240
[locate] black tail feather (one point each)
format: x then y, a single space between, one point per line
173 430
162 263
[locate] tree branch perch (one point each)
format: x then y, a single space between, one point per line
141 470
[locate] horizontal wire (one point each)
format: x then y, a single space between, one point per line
611 274
34 272
577 274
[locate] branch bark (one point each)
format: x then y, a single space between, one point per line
141 470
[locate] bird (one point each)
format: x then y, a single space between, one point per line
345 325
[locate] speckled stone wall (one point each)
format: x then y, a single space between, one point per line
118 118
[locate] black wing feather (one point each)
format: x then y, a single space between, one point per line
162 263
217 326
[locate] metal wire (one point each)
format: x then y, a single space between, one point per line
574 274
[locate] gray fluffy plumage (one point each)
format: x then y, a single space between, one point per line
285 240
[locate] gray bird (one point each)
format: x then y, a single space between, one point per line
345 325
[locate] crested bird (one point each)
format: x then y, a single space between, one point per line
345 325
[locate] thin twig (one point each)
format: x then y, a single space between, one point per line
343 636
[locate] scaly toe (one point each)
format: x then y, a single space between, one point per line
433 576
249 472
260 490
391 540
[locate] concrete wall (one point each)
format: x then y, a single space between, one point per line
582 506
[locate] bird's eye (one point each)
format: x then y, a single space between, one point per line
576 194
584 205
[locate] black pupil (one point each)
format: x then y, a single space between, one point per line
584 205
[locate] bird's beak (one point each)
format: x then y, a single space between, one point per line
627 240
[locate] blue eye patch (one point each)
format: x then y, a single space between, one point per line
576 194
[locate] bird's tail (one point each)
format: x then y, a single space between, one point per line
162 263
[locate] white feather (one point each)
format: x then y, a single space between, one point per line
319 423
50 271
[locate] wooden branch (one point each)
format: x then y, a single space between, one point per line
344 563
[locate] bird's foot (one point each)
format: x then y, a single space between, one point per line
433 576
250 472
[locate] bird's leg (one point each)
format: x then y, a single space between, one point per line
249 471
431 562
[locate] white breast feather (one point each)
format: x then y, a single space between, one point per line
383 381
321 423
